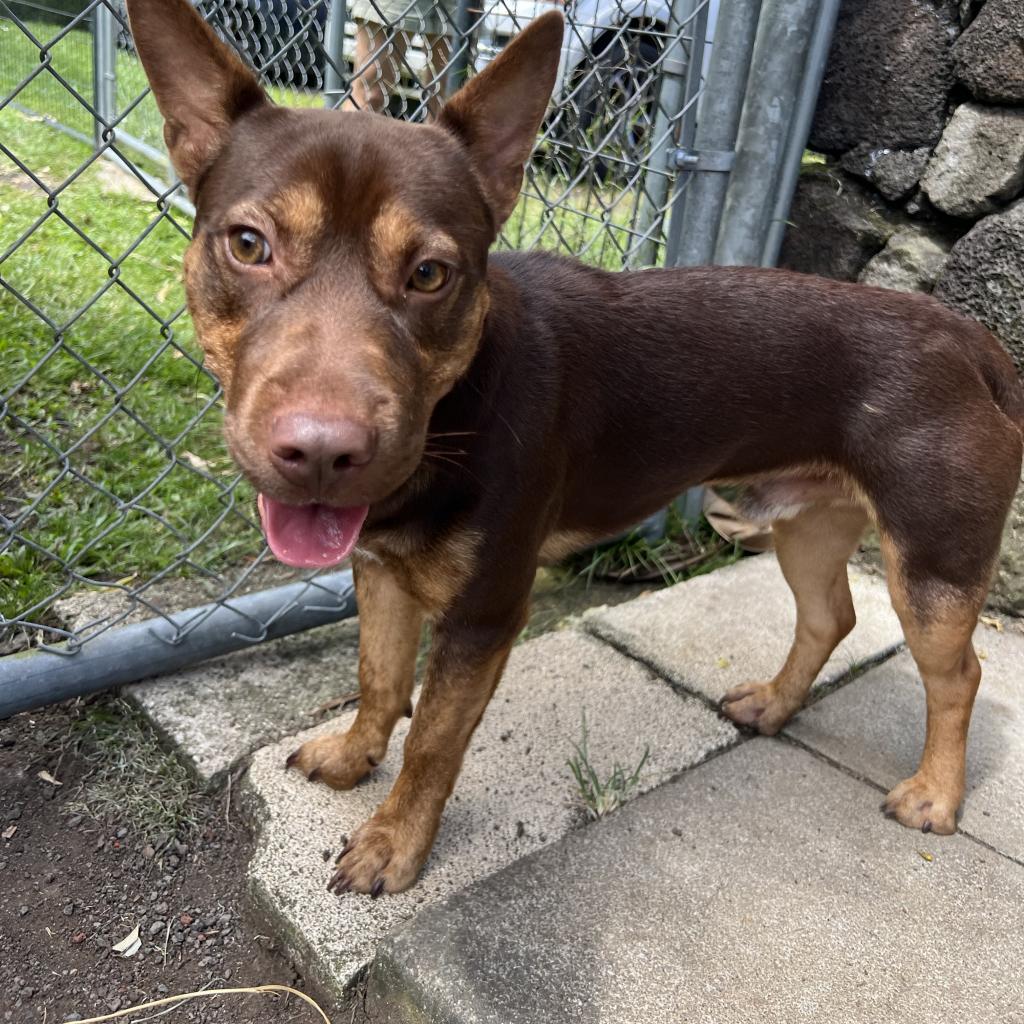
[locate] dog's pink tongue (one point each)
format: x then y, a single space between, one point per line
310 536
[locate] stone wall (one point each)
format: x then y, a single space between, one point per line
921 123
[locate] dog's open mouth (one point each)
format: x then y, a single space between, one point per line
310 536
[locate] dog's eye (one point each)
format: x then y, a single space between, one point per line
429 276
248 246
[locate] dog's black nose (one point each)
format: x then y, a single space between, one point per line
313 452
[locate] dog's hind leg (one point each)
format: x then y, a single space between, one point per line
938 621
941 532
813 548
389 633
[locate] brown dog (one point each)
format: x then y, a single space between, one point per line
459 416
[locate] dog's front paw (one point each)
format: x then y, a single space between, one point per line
384 855
919 802
758 706
341 759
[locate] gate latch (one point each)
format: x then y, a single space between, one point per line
720 160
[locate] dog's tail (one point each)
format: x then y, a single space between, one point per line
1000 375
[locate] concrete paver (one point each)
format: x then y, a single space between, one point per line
515 794
218 712
735 625
762 886
875 727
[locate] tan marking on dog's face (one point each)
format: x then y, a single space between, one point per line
447 367
397 236
293 221
219 340
300 210
218 335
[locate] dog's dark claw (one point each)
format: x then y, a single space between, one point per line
339 883
373 761
314 775
378 888
927 826
408 710
292 758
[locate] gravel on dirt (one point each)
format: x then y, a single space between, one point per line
73 886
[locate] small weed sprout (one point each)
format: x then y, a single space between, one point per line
602 797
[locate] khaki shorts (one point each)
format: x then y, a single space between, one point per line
412 16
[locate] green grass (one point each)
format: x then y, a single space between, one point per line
105 427
602 795
684 552
85 369
70 57
131 779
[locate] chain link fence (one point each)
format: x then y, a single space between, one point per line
117 499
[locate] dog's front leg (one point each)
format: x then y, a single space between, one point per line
389 632
386 854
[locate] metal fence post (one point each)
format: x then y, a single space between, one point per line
465 15
104 72
776 71
817 59
697 208
680 72
334 53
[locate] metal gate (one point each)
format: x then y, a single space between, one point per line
674 137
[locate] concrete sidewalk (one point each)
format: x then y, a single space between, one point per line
763 886
755 880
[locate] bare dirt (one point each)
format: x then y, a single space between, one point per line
74 884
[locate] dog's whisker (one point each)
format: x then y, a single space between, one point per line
444 458
453 462
445 451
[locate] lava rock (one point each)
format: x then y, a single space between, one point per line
911 261
1007 591
897 53
979 161
984 277
894 172
989 56
835 227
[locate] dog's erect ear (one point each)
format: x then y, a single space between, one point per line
200 84
497 113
